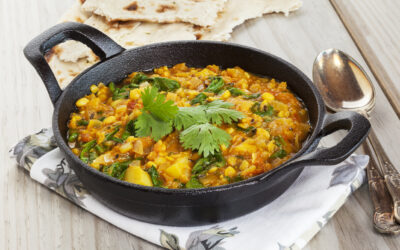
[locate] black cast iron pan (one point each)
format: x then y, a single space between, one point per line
186 207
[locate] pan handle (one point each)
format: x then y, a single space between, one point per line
103 46
358 127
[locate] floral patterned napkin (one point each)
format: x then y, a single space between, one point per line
289 222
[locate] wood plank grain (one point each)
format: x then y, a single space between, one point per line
374 26
33 217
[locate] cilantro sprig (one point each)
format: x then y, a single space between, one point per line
216 112
157 114
159 117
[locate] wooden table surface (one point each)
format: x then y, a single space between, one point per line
33 217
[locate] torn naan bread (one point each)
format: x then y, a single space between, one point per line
71 58
75 14
65 72
132 34
72 51
199 12
235 14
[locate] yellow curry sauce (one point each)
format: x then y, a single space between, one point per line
261 125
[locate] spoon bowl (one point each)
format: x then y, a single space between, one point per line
342 82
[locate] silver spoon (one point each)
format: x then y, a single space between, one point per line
345 86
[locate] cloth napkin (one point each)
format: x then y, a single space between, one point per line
289 222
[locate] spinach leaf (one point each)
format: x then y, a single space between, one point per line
203 164
130 127
72 137
85 151
281 153
82 122
138 79
164 84
216 85
267 111
250 130
118 169
252 96
155 177
161 83
200 98
236 91
194 183
279 141
111 135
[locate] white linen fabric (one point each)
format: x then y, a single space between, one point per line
289 222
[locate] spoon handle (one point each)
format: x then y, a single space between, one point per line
388 171
383 207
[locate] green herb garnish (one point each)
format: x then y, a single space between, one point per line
157 115
205 138
216 112
158 118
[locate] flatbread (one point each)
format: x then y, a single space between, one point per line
75 13
132 34
70 58
65 72
199 12
238 11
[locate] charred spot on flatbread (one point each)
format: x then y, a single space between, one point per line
164 7
132 7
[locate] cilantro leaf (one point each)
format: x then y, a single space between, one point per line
205 138
215 112
155 103
188 116
216 85
218 112
148 125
